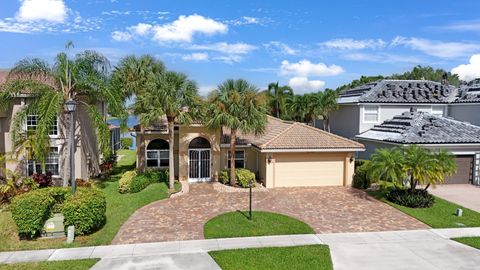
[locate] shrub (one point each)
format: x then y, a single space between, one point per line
43 180
242 177
360 178
141 181
125 181
83 183
126 143
417 198
86 210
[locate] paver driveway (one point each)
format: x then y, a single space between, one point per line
325 209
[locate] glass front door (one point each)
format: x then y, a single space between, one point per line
199 165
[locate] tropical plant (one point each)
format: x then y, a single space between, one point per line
278 96
387 164
83 79
322 104
238 106
297 106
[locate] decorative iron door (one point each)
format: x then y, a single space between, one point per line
199 165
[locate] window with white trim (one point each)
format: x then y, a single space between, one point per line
51 163
239 159
370 114
157 158
32 123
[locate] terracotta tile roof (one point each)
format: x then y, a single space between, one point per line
288 135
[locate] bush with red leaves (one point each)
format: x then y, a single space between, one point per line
43 180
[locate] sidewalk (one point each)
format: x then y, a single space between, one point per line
371 250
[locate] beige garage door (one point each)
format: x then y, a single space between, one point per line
464 171
308 169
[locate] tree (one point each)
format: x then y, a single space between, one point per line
135 77
388 165
324 103
297 106
238 106
427 73
277 98
83 79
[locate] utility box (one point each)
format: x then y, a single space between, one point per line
54 226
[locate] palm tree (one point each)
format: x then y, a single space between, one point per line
387 164
278 95
237 105
445 166
325 103
83 79
135 77
420 165
297 106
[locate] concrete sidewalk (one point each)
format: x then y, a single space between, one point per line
421 249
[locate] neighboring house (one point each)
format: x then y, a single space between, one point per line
115 143
363 107
87 157
287 154
432 132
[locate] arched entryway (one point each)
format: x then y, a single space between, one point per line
199 153
157 154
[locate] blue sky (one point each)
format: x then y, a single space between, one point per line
310 45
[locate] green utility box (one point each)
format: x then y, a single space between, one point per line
54 226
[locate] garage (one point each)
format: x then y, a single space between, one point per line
464 173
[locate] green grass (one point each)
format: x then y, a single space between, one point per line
278 258
119 208
440 215
470 241
236 224
52 265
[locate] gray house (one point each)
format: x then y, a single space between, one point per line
433 132
368 105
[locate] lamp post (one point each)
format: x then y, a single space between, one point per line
250 184
71 105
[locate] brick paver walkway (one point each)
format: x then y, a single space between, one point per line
325 209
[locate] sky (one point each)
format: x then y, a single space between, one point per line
309 45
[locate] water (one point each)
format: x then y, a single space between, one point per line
131 121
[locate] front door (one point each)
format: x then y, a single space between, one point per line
199 165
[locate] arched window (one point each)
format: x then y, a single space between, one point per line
157 153
199 143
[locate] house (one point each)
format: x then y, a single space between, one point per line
434 132
87 157
363 107
287 154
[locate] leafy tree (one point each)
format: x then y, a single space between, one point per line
277 99
238 106
297 107
363 80
427 73
83 78
322 104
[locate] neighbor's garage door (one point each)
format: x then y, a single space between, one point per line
308 169
464 171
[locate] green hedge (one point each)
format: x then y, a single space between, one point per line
126 143
243 177
360 179
141 181
86 210
126 181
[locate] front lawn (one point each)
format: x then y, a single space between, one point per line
470 241
278 258
119 209
236 224
440 215
52 265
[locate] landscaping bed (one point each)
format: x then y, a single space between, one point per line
236 224
279 258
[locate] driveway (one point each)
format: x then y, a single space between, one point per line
325 209
465 195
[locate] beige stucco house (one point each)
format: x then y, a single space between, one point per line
287 154
87 157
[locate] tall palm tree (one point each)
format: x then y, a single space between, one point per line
136 77
387 164
420 165
323 104
237 105
278 95
83 78
297 106
445 166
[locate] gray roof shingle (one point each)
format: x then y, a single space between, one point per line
423 128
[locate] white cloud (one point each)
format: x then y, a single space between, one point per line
277 47
185 27
245 20
204 90
140 29
224 47
470 71
54 11
437 48
464 26
195 57
305 68
121 36
352 44
383 58
303 84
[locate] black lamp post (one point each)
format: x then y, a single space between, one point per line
71 105
250 184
